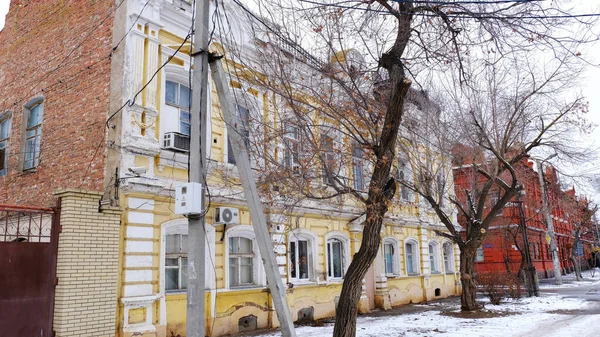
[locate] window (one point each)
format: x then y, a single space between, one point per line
244 130
357 166
335 258
174 256
329 163
448 257
412 257
433 258
404 176
241 261
390 256
291 141
301 255
178 95
479 257
33 136
176 262
5 124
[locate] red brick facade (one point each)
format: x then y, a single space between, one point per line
58 51
503 241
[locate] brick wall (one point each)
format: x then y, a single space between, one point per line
58 50
87 266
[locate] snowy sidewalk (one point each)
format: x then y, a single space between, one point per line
548 315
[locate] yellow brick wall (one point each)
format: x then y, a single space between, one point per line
87 266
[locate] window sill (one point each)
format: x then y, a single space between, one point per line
297 283
335 280
393 276
243 288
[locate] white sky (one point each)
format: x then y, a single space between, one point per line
3 10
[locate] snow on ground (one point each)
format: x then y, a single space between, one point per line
548 316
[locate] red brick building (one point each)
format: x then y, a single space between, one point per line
55 68
503 243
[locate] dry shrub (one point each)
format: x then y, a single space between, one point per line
498 285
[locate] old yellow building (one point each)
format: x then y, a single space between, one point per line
314 241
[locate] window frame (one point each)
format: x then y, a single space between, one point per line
291 146
358 166
415 257
180 256
395 256
433 249
310 238
404 173
258 274
36 135
244 129
448 256
180 226
5 119
335 237
180 107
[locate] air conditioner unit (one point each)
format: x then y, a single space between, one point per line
227 215
176 141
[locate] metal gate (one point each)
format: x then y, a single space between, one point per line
28 247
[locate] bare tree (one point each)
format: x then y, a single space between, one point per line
509 111
341 72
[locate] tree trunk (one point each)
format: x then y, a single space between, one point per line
576 265
467 278
577 268
345 318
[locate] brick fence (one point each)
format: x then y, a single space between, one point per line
87 266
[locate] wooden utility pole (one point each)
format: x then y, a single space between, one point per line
259 221
195 318
550 232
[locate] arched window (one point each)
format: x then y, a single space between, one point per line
174 256
391 256
448 249
301 256
244 268
411 256
434 257
337 255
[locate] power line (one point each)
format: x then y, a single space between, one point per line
454 14
131 102
132 25
62 62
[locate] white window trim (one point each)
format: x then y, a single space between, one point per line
436 257
181 225
304 234
245 231
180 74
451 264
395 256
250 102
345 240
416 257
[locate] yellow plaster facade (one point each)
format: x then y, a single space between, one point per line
151 295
